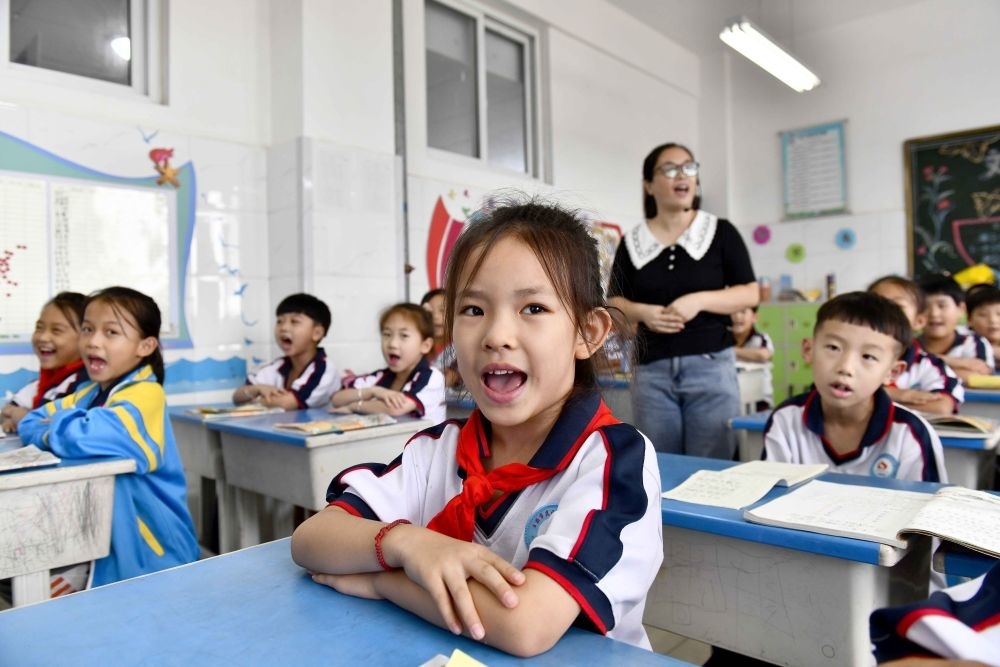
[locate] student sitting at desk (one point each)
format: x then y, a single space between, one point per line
983 305
848 419
926 383
303 377
121 412
755 347
56 342
966 353
541 510
442 355
409 385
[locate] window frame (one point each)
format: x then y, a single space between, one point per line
486 18
147 24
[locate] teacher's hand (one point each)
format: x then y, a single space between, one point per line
659 319
685 308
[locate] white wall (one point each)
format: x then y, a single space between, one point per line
908 72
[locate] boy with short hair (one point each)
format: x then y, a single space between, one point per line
755 347
982 302
848 419
303 377
966 353
926 383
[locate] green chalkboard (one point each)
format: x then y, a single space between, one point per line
953 201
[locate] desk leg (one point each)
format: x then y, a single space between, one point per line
229 517
248 523
30 588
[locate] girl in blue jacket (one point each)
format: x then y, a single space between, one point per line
121 412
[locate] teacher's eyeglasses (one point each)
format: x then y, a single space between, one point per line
671 170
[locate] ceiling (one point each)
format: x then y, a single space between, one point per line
695 24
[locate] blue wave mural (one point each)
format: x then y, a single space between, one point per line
182 376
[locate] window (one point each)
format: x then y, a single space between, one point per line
480 83
113 41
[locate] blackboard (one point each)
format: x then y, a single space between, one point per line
953 201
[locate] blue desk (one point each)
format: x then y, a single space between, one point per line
296 468
954 561
53 517
786 596
969 462
254 607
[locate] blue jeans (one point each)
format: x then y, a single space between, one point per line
684 404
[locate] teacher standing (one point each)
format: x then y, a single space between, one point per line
678 277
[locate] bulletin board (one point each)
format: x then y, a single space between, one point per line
953 201
814 171
64 226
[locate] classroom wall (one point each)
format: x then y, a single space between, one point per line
286 109
907 72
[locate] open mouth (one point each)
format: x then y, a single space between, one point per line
394 359
841 390
95 365
682 189
504 381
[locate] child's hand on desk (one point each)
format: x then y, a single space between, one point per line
443 566
912 396
276 397
11 415
360 585
396 400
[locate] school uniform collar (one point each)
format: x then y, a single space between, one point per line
140 373
389 376
566 437
878 424
643 247
286 365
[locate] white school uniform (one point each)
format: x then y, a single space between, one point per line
312 389
594 527
926 372
425 386
897 443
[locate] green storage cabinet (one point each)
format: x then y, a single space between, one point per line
788 324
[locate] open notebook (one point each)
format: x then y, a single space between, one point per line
29 456
957 514
742 485
337 424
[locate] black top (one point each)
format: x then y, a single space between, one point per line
662 280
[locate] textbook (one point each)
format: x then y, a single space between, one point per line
742 485
337 424
247 410
29 456
960 426
983 382
965 516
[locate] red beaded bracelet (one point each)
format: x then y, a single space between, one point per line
378 542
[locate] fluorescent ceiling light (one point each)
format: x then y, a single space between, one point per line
123 47
753 43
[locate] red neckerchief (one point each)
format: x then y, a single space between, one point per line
47 379
458 518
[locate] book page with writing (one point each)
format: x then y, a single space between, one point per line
715 487
965 516
862 512
29 456
781 472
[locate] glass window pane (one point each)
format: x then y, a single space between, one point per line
506 97
452 109
73 36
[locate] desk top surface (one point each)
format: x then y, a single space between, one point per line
253 607
261 427
675 468
982 395
67 470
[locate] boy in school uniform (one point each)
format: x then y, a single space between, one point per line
982 302
303 377
756 347
926 383
966 353
848 418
